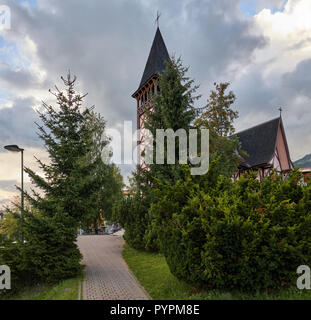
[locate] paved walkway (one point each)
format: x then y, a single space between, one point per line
107 276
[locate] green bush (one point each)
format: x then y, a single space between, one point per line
12 256
50 249
243 235
48 255
132 213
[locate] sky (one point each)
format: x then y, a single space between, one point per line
262 47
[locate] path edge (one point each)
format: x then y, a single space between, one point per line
133 275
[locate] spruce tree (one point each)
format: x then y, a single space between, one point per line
72 136
172 108
75 186
71 190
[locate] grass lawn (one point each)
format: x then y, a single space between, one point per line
152 272
65 290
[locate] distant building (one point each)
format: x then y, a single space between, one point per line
127 192
306 173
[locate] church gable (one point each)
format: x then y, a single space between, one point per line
259 143
266 148
281 151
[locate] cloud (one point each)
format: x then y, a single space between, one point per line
288 33
19 79
269 4
7 185
283 66
17 124
106 44
298 82
10 171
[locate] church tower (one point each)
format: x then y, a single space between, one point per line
148 84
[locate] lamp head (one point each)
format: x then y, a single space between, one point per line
13 148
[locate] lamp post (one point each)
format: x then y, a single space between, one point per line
15 148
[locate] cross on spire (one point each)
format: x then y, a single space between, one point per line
158 18
280 109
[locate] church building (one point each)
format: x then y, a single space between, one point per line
148 84
265 144
266 148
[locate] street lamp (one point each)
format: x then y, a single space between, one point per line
15 148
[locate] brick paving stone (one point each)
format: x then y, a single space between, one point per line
107 276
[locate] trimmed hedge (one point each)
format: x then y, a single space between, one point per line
244 235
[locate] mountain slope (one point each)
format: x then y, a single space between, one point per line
305 162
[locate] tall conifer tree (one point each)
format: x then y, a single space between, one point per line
72 137
173 108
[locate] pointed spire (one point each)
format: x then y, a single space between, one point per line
158 18
156 60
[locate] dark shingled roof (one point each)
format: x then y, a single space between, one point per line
156 60
259 142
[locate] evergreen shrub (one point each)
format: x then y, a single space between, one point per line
245 234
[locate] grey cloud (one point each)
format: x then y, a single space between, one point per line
98 41
295 88
106 44
271 4
219 37
3 204
298 82
253 95
302 44
8 185
17 124
20 79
